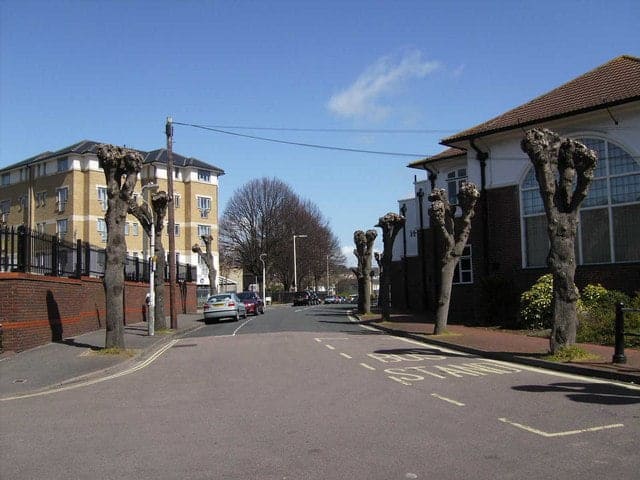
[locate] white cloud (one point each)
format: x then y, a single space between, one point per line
363 98
347 251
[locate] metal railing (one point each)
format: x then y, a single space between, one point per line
28 251
618 355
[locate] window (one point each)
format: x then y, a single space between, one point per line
22 202
204 230
609 218
176 200
127 228
62 195
204 175
63 164
176 173
5 207
61 227
40 227
102 197
102 229
41 199
135 229
6 179
455 179
176 230
41 169
464 270
204 205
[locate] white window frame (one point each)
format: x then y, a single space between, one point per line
204 175
459 272
101 226
103 199
204 205
455 177
62 197
135 231
176 230
176 200
61 232
62 164
41 198
6 179
204 230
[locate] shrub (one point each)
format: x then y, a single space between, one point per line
535 305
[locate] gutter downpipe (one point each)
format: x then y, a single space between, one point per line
482 158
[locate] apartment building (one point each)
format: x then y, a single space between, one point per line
64 193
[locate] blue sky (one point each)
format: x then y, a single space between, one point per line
112 71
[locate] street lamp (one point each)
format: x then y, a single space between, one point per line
295 263
152 262
264 270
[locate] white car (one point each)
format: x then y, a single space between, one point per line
223 305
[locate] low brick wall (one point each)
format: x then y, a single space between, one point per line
35 310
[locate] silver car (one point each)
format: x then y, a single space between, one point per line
223 305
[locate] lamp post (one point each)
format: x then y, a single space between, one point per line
295 263
264 279
152 262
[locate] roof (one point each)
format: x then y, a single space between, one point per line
90 146
451 152
614 83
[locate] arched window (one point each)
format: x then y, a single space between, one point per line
609 228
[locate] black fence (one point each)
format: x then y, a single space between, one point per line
27 251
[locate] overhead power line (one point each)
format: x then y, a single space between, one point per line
303 144
332 130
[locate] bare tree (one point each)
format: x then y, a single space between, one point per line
453 234
159 203
207 258
564 170
364 252
391 224
121 167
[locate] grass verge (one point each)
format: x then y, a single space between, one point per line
572 353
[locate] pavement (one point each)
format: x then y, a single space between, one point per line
79 359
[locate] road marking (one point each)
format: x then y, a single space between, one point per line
243 324
560 434
455 402
369 367
346 356
133 369
320 339
330 347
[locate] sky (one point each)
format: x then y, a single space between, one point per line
386 76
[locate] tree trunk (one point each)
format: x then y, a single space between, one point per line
562 262
444 299
114 287
390 224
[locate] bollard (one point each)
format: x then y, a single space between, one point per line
618 354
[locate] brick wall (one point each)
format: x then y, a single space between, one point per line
35 310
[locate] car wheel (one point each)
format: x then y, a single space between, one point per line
245 314
207 321
237 315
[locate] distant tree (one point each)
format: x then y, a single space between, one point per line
159 203
121 167
564 170
261 217
364 253
453 234
391 224
207 258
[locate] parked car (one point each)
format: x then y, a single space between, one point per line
252 302
301 298
331 299
223 305
313 298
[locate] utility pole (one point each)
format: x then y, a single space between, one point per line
171 227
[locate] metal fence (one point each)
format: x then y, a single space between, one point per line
28 251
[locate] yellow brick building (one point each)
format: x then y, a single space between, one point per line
63 193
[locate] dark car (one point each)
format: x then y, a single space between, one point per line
252 302
301 298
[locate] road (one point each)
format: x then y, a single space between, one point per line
306 393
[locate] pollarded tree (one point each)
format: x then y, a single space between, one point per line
453 234
207 258
121 167
159 204
391 224
564 170
364 252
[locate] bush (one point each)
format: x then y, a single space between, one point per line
535 305
598 313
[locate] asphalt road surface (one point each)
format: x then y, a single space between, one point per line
305 393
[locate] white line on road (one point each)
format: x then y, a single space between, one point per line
455 402
560 434
243 324
133 369
330 347
320 339
369 367
346 356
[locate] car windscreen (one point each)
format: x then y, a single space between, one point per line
218 298
245 296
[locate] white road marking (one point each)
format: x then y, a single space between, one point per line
133 369
345 355
243 324
455 402
369 367
560 434
330 347
320 339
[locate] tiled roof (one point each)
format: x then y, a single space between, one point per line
614 83
448 153
89 146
